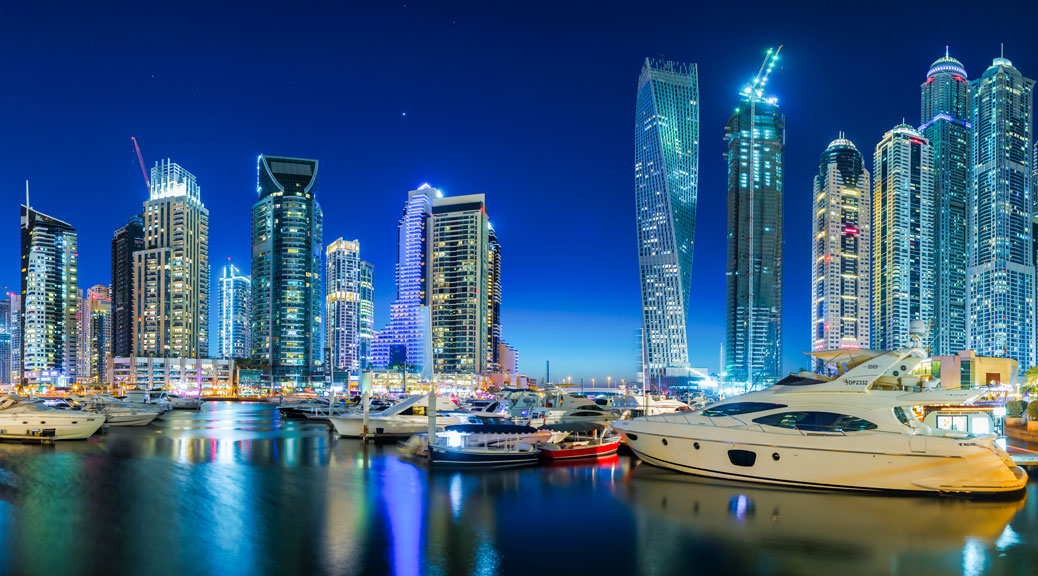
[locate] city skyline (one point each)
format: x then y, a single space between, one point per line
601 296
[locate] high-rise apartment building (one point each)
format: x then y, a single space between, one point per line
406 334
946 124
287 287
342 293
50 306
5 341
235 300
127 240
95 335
171 272
840 260
366 332
1001 274
756 136
493 301
902 236
666 165
14 326
459 284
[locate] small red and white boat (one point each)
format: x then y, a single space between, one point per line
586 440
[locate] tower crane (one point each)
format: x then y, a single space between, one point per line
140 159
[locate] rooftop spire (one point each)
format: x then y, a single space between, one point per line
946 51
27 194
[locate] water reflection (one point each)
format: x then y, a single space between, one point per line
236 489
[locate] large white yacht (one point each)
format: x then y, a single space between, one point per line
857 431
403 419
21 419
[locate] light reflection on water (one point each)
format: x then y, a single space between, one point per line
235 489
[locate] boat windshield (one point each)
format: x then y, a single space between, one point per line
735 408
816 422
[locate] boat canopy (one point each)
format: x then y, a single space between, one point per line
492 428
578 427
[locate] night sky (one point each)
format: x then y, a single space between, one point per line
529 103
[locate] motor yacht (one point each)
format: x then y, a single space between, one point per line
21 419
645 405
558 406
856 431
403 419
117 412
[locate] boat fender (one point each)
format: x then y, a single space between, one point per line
695 445
775 456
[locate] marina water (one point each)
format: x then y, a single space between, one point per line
237 489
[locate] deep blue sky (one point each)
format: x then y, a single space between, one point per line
529 103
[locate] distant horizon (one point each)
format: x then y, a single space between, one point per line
536 113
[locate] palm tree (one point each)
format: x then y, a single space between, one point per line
1031 376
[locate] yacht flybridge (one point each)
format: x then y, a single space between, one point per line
856 431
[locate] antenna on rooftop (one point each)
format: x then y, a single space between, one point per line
27 194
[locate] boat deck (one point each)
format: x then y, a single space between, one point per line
1023 456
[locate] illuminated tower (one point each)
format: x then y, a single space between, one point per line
756 136
1001 273
50 307
95 335
171 272
342 318
840 250
125 243
287 289
366 331
902 236
666 165
946 124
235 295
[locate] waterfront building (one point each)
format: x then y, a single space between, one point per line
342 293
125 243
404 339
666 177
14 326
902 238
459 284
756 135
235 299
214 376
95 335
946 124
840 273
50 306
171 272
287 287
5 341
1001 274
968 370
493 302
366 332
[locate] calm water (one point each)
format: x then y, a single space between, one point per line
235 489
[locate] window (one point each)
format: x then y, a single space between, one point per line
816 422
739 408
899 413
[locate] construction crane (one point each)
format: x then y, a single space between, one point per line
756 89
141 160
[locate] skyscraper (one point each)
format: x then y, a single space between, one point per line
95 335
127 240
756 135
407 332
5 341
15 328
840 261
1001 273
493 301
458 284
902 238
367 313
287 288
171 272
946 124
343 320
235 300
50 307
666 177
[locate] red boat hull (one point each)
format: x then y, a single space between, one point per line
597 451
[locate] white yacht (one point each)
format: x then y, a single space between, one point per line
21 419
857 431
646 405
557 406
403 419
117 412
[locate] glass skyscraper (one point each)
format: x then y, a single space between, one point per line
840 261
756 135
405 338
367 313
171 272
946 124
235 300
666 164
50 267
95 335
1001 272
125 243
342 295
287 286
493 301
902 236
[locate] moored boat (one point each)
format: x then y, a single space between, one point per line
24 420
584 441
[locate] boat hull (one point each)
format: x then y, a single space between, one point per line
393 427
30 427
480 457
835 462
131 419
555 453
